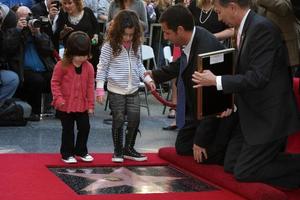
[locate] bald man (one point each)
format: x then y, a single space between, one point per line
36 57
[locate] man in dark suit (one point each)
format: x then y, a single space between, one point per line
48 10
266 108
199 138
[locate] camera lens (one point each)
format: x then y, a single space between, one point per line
35 23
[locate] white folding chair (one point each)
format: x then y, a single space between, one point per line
167 54
147 55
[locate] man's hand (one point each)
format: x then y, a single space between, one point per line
206 78
199 153
34 31
226 113
53 11
22 23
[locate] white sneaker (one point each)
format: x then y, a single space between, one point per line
70 160
117 159
86 158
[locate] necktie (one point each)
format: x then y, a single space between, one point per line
180 108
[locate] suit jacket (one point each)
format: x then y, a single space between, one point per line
203 42
262 84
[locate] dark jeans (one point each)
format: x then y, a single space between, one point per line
68 137
124 105
35 83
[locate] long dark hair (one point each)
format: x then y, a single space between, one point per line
124 19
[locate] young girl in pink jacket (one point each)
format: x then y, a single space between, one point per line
72 88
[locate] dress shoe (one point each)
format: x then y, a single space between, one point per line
170 128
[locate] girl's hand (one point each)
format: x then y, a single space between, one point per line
100 99
61 104
91 111
100 95
151 86
148 73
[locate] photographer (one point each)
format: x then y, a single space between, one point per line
9 80
46 11
36 59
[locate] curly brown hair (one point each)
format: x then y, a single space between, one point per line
124 19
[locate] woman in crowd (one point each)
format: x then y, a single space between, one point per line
75 17
206 17
134 5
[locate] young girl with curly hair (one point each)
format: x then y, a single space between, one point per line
121 66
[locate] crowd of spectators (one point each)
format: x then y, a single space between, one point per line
32 30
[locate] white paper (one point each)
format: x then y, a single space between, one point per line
218 58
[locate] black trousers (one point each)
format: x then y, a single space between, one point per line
35 83
262 163
70 147
210 133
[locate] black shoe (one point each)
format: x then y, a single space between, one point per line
34 117
170 128
117 158
132 154
118 155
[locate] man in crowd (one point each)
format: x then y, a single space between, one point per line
36 61
266 108
46 11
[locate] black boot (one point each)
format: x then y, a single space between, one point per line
117 135
129 152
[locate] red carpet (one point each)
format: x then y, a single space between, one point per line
26 177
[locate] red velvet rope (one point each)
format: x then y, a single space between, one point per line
162 100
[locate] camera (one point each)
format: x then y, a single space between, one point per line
56 4
37 23
31 21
